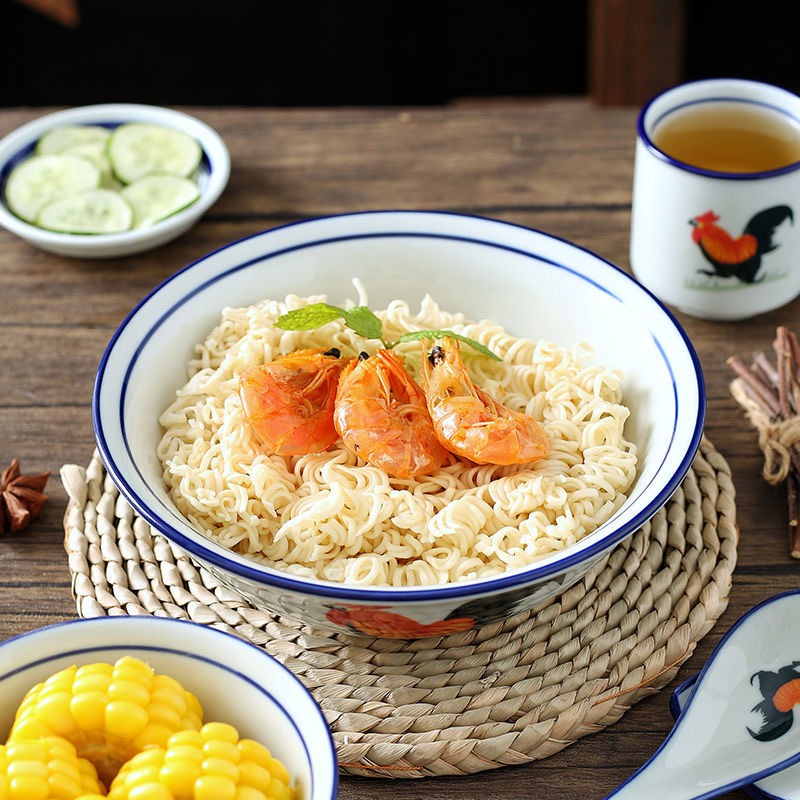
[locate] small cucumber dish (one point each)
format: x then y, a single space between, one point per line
90 180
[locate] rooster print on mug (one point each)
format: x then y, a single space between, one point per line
738 257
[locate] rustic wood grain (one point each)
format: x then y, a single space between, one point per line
561 166
636 49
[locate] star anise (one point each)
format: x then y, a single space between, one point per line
22 497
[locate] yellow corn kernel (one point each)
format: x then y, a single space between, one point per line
61 680
168 699
209 764
124 719
246 793
216 748
108 712
152 791
88 708
129 691
219 732
179 776
278 771
154 734
256 752
45 769
93 676
130 668
221 767
214 787
182 752
163 714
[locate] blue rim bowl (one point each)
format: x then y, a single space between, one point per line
533 283
235 682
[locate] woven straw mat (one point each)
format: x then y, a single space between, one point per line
507 693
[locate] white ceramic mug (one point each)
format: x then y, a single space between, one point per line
718 245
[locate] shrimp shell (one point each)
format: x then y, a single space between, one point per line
289 401
469 422
381 415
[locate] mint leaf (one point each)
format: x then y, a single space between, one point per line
309 317
364 322
413 336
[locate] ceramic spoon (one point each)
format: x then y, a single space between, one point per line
783 785
741 723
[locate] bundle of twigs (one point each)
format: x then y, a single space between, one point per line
770 393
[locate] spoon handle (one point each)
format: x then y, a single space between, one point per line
653 780
742 721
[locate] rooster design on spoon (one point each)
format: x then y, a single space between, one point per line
781 693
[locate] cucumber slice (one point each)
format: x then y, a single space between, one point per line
155 197
137 149
89 212
95 152
68 137
89 141
41 179
109 181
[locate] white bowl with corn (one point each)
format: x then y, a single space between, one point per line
148 707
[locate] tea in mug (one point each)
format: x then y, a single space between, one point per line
730 137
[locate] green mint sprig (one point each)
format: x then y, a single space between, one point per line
364 323
360 319
413 336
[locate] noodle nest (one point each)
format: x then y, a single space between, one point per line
330 516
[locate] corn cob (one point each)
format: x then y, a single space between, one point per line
45 769
210 764
108 712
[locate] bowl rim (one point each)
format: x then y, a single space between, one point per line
117 642
253 570
215 153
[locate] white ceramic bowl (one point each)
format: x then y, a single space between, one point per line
235 681
536 285
214 172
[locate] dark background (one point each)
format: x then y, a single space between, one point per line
257 52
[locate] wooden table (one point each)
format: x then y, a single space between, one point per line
561 166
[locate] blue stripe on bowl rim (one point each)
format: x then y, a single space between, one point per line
722 98
128 648
275 579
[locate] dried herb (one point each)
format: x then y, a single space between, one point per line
770 393
22 498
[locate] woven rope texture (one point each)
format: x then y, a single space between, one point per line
507 693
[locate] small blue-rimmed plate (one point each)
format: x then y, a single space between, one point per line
212 178
535 285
